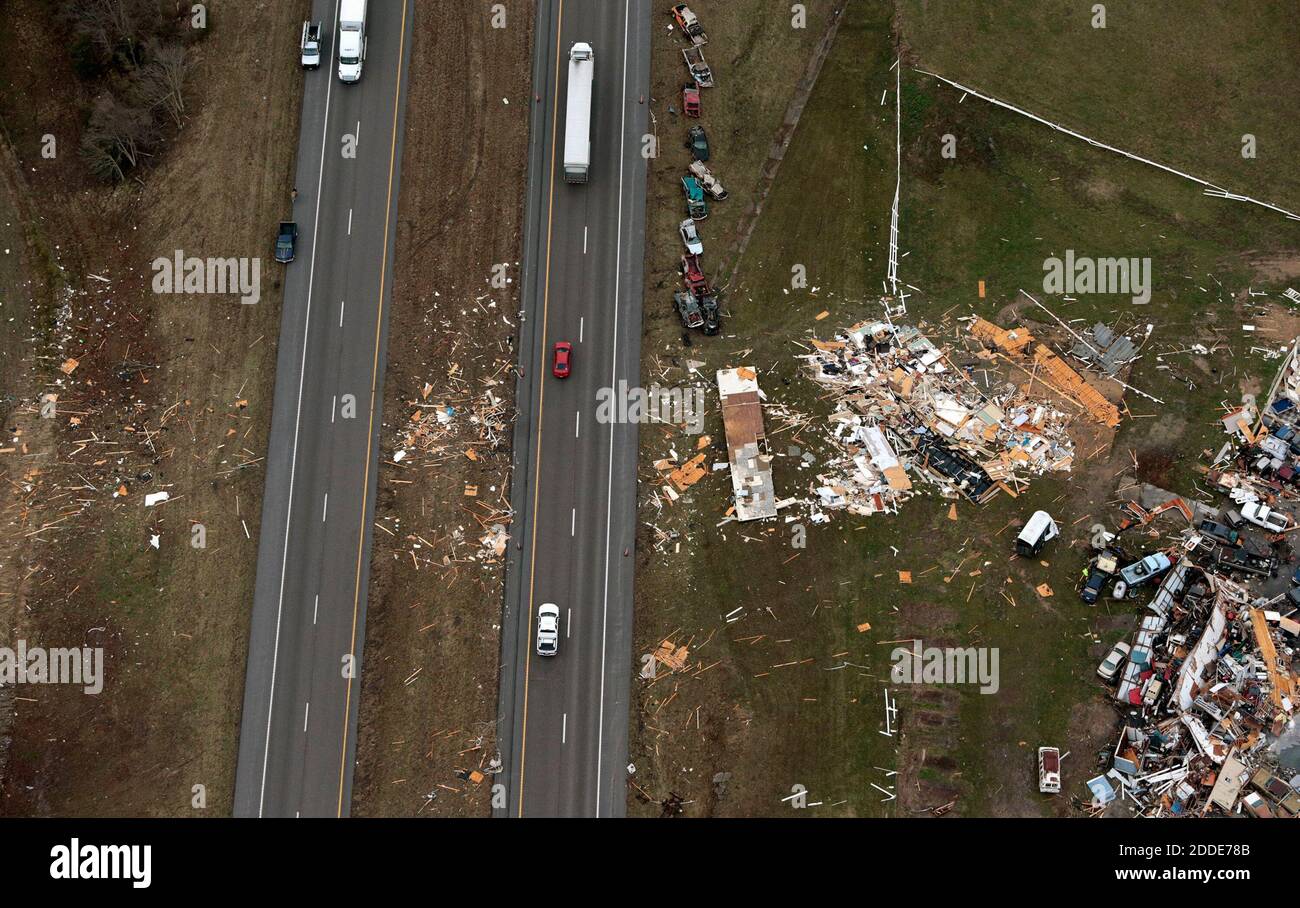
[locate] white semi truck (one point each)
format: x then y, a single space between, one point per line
577 120
352 39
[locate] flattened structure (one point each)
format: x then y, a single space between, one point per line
751 465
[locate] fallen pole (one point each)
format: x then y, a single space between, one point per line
1211 189
1090 347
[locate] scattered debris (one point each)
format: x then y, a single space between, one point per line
901 406
1065 380
1209 680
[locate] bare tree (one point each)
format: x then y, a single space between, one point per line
117 138
161 81
132 46
113 27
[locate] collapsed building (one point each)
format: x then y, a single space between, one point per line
1208 692
1205 697
905 414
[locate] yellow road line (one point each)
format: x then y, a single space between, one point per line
541 397
374 384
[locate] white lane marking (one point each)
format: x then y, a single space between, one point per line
568 623
609 488
573 520
334 408
564 730
358 134
305 713
297 424
315 609
581 324
343 304
584 239
326 509
577 423
349 222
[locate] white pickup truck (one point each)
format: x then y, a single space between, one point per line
1263 516
310 46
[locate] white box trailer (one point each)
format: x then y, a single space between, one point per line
352 39
577 118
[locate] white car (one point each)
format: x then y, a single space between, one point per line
1110 666
1263 516
548 629
691 237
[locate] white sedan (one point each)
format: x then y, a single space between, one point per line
1263 516
1109 667
548 629
691 237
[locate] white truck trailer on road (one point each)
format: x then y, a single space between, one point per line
577 120
352 39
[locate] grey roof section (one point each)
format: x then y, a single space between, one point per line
1115 349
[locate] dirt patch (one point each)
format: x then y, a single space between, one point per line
1277 268
1094 726
1277 326
1101 189
1155 465
429 690
168 393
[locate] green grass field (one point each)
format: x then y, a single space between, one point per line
777 706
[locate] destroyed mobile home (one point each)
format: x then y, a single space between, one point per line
1208 692
903 407
1209 685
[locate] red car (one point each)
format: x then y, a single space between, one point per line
693 275
691 100
560 361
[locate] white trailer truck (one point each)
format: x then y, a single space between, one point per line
577 120
352 39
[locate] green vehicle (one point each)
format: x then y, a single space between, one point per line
696 206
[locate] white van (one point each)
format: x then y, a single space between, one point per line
1040 530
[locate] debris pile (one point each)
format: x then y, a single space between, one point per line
1048 368
458 425
1208 688
460 429
1108 351
1209 680
1260 463
902 407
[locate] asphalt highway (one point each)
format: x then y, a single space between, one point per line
563 720
298 729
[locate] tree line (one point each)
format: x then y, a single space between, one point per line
134 56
